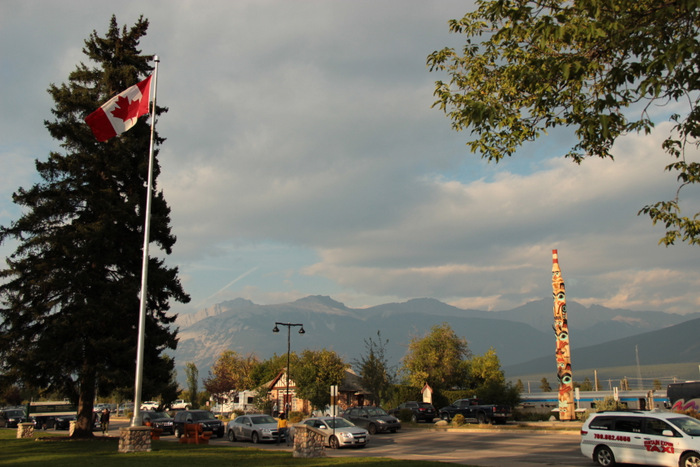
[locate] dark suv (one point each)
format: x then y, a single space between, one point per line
203 417
373 419
157 419
422 411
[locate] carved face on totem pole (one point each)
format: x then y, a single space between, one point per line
562 352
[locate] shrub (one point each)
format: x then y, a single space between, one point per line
296 417
609 403
530 416
458 419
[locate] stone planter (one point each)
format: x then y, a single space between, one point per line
25 430
308 442
135 439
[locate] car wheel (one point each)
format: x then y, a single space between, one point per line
690 459
604 456
372 428
445 416
255 438
231 436
333 442
177 432
414 419
481 418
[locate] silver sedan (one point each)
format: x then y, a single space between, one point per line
253 428
339 432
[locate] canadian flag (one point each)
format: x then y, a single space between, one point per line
120 112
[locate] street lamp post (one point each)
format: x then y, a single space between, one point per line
289 328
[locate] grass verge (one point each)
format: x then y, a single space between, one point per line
103 453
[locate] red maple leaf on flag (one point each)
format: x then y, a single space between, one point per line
126 110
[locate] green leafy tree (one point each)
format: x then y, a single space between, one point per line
315 373
267 370
69 297
485 369
440 359
192 378
595 66
230 374
373 368
489 382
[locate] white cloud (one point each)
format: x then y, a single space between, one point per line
301 146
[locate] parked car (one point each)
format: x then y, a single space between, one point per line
180 404
203 417
422 411
648 438
63 421
159 420
476 411
254 428
338 431
149 405
125 408
374 419
10 418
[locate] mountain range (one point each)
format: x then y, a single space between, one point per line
522 337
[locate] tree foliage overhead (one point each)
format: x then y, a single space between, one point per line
597 66
69 296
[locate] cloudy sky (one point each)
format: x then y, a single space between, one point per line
303 158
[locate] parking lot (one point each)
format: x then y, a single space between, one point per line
482 447
488 448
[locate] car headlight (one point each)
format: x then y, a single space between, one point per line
267 431
345 435
381 421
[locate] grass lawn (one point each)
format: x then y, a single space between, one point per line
103 453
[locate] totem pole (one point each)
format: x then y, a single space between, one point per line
567 409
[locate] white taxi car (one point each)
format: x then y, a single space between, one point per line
648 438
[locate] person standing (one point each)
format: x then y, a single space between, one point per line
104 421
282 428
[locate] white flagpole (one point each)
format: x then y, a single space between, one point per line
137 420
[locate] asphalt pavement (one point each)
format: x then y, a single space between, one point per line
540 444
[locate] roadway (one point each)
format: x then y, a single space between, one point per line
481 447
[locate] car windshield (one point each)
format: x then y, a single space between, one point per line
259 420
376 411
688 425
337 423
202 416
15 413
425 405
159 415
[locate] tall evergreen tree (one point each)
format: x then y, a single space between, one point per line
69 297
374 369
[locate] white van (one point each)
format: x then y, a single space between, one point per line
649 438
